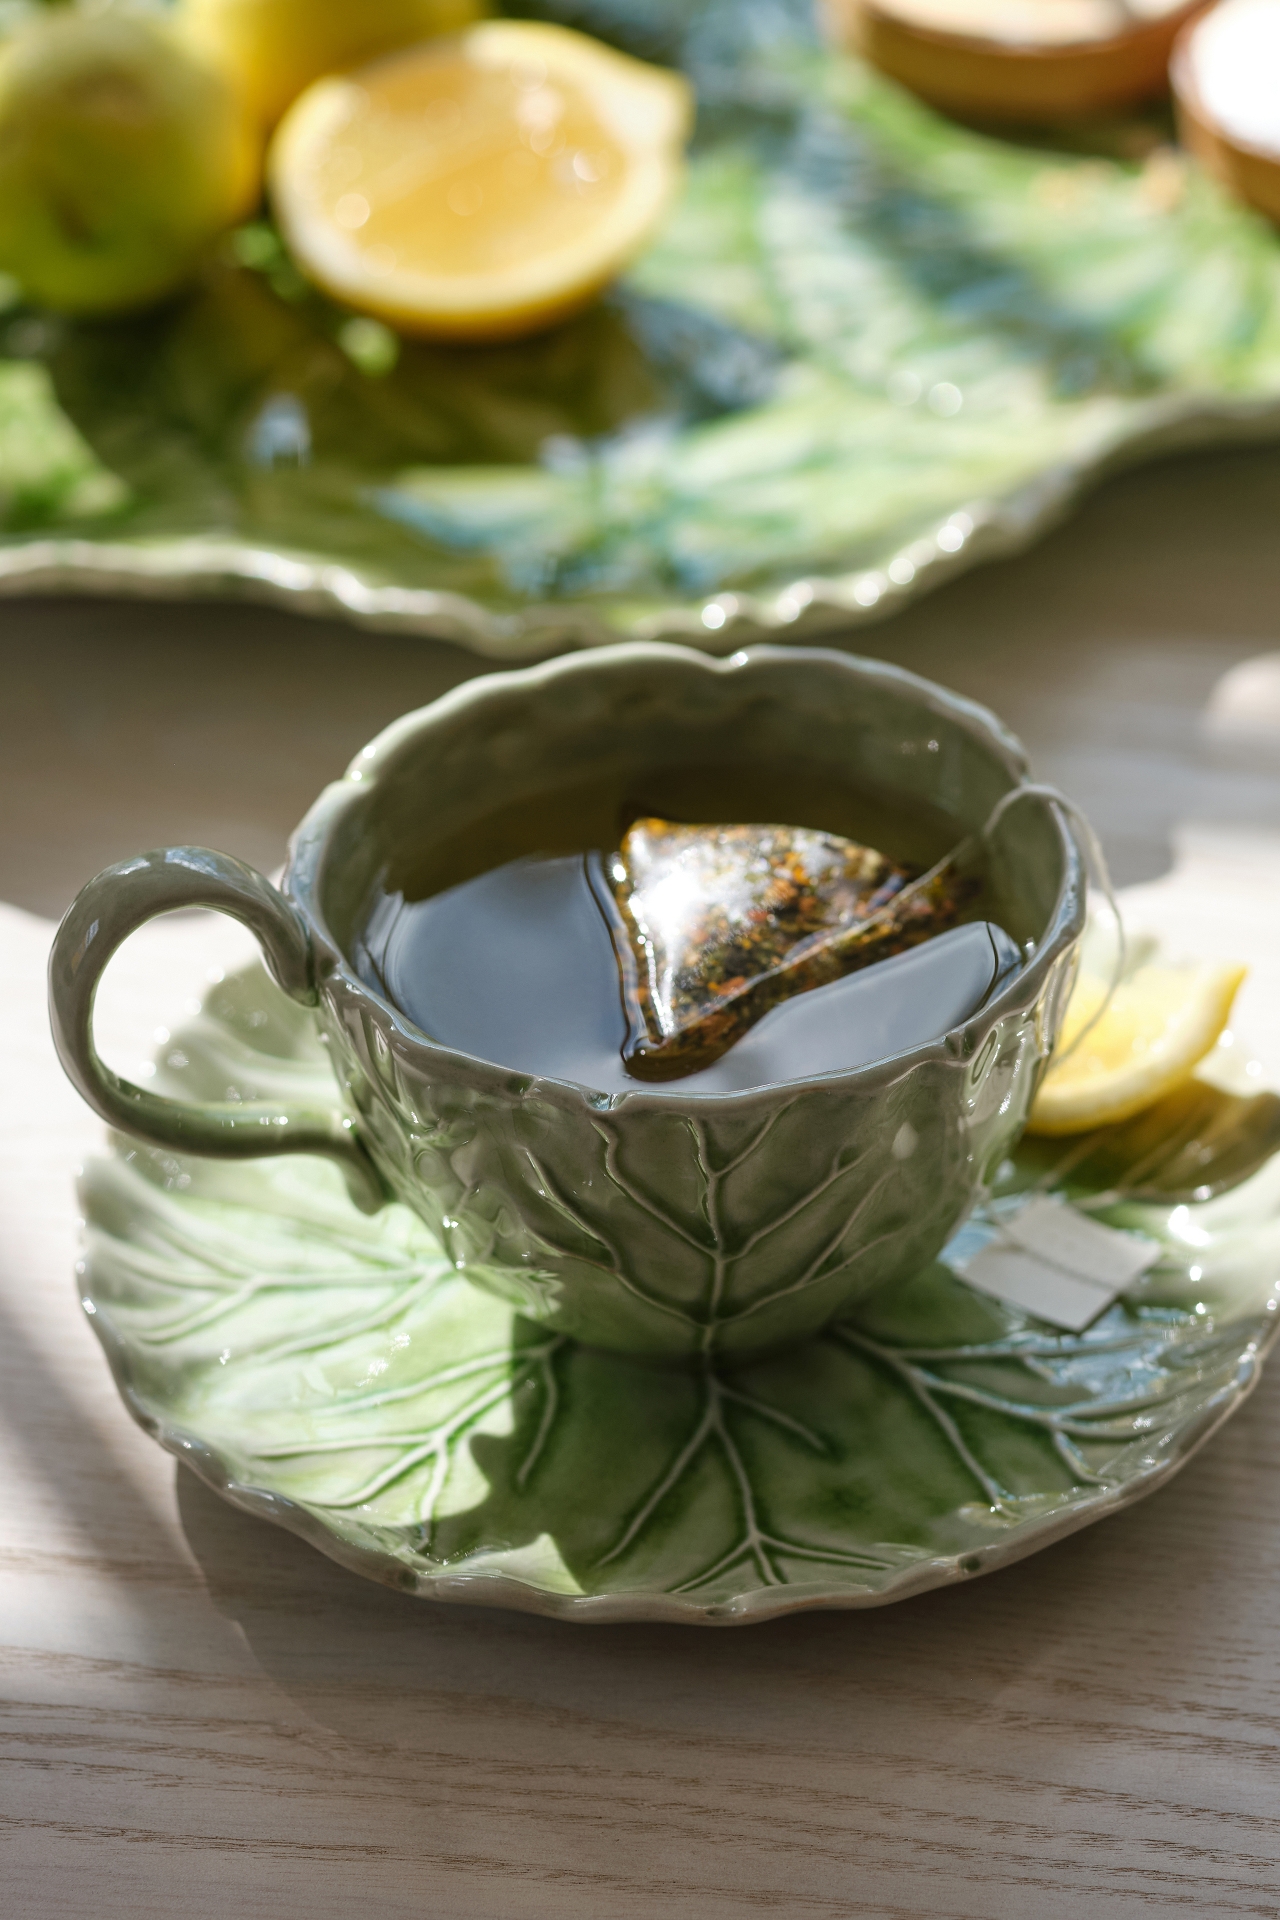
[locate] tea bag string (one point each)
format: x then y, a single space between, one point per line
1097 862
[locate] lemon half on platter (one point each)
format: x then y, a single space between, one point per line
1117 1057
482 186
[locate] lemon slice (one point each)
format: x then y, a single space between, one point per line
1161 1022
483 186
1021 60
1224 82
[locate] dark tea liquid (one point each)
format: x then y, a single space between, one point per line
496 944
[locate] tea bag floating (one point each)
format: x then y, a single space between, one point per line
517 967
713 926
889 1008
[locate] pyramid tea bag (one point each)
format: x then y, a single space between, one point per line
714 925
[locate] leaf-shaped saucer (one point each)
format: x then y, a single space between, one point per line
332 1372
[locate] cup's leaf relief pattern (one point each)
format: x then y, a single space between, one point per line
666 1233
336 1370
867 344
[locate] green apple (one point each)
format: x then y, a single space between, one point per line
121 157
273 49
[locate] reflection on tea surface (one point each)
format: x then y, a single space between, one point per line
619 946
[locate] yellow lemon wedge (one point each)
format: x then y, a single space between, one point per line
1161 1022
481 187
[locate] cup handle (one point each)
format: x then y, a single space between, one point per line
113 906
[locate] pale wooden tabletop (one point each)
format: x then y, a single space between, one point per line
203 1716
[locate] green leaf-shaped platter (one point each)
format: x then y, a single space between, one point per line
332 1372
867 348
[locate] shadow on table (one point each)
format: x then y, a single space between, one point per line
83 1472
1108 1626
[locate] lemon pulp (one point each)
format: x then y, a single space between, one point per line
471 173
482 185
1159 1025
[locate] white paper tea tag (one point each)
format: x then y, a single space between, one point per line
1021 1280
1054 1230
1050 1260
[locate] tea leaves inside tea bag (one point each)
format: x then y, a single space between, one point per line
715 925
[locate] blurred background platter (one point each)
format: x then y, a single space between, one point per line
869 347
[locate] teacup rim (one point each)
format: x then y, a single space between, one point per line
964 1041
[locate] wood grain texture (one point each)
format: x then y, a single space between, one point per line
200 1715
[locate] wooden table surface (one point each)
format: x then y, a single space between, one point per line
201 1716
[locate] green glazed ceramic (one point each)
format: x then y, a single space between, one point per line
331 1371
663 1223
868 347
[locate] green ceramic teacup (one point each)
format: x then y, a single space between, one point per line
659 1222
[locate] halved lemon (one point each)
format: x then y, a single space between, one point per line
480 187
1160 1024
